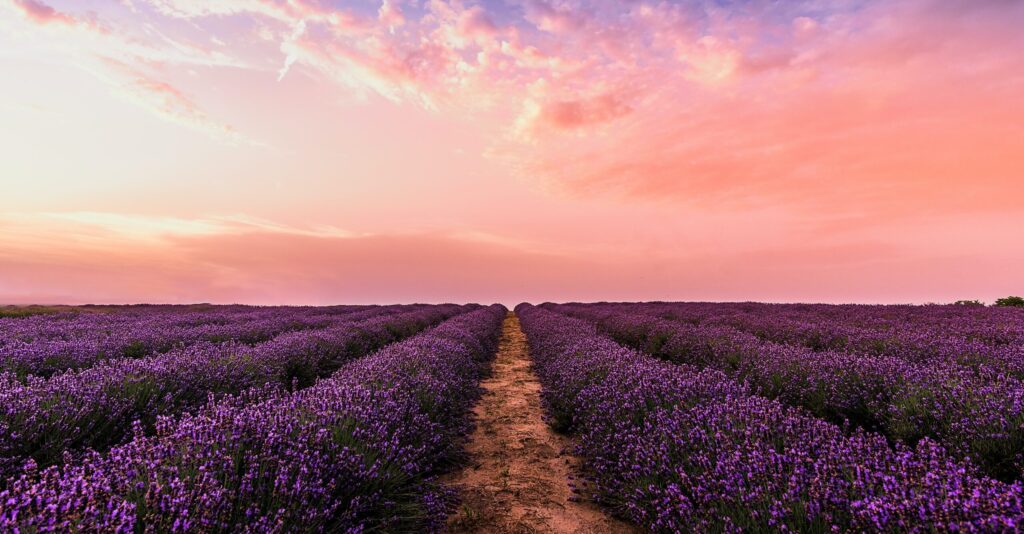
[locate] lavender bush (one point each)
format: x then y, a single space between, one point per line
47 419
676 448
46 344
357 451
973 411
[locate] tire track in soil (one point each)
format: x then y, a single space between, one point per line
516 478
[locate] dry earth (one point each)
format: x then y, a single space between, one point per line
516 479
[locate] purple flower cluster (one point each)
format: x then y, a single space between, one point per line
46 344
357 451
978 338
968 335
677 448
47 419
973 411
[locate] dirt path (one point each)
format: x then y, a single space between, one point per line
516 480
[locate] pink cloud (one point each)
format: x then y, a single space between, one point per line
40 13
711 95
474 22
166 100
552 18
390 14
122 60
753 107
584 112
805 26
890 116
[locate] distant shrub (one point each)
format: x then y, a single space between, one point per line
1017 302
969 303
27 311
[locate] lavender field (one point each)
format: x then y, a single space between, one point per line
321 200
608 417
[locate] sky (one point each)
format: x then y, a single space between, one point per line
320 151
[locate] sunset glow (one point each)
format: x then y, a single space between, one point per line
309 151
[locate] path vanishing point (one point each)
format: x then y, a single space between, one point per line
517 475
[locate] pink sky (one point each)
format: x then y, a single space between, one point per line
430 150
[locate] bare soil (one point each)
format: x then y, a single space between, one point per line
517 477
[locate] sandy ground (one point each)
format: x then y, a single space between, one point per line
516 479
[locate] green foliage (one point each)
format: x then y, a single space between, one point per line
25 311
136 349
1016 302
969 303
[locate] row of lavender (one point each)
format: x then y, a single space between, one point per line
975 411
356 451
49 420
72 322
989 325
47 344
968 335
678 448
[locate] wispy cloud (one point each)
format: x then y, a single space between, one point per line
155 228
40 13
126 63
163 99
